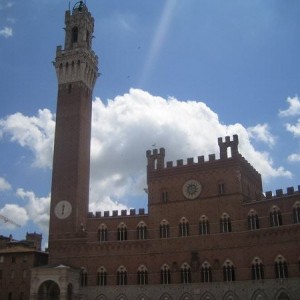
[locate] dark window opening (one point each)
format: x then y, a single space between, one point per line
75 35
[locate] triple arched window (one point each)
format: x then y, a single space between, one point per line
275 216
102 276
203 225
142 275
225 223
253 220
206 273
184 227
296 212
281 268
228 271
102 233
121 276
164 229
141 231
122 232
186 274
257 269
165 274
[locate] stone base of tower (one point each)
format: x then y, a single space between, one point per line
55 283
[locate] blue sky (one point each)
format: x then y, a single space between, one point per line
177 74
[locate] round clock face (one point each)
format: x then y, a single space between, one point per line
192 189
63 209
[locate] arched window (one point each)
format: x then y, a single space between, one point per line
165 274
74 35
122 232
228 271
206 274
101 276
83 277
275 216
142 275
296 212
253 221
121 276
183 227
281 269
225 223
203 225
102 233
164 229
257 269
186 275
141 231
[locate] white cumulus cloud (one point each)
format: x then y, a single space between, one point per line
35 133
294 157
261 132
4 185
15 214
293 109
6 32
37 208
294 128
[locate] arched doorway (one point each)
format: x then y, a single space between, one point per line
48 290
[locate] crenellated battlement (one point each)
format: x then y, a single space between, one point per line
280 193
228 144
156 158
117 213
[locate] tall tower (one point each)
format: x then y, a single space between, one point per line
77 70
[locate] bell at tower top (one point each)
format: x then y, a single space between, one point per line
79 6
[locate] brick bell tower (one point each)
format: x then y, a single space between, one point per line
77 70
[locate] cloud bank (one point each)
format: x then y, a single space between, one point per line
122 131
